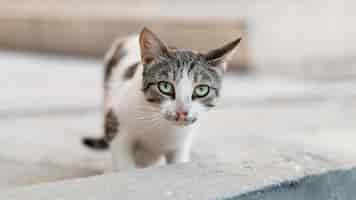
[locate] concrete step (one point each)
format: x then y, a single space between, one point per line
89 28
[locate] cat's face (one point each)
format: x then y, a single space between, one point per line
183 84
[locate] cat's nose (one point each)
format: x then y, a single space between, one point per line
181 115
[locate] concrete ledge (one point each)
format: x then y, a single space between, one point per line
192 181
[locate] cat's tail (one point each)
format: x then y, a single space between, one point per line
96 143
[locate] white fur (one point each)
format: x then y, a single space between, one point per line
142 123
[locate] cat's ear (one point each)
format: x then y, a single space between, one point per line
151 46
220 56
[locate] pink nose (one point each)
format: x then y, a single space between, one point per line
181 115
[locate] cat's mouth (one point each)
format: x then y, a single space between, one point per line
180 121
183 122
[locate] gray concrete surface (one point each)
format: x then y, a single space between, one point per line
265 130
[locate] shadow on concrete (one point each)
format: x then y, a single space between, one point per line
334 185
45 112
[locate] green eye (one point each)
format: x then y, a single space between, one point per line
166 88
201 91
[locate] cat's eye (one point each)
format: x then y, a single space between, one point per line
166 88
201 91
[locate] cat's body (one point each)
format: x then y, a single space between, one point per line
150 103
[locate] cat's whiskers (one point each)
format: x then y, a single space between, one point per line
149 109
149 114
145 109
153 121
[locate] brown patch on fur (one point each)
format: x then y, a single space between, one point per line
112 62
111 126
130 71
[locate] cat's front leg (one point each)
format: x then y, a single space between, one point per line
123 152
180 155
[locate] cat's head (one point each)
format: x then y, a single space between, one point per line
182 83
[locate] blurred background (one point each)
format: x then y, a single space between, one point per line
289 97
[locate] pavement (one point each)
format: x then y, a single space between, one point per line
271 127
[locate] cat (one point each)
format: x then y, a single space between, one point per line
153 96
